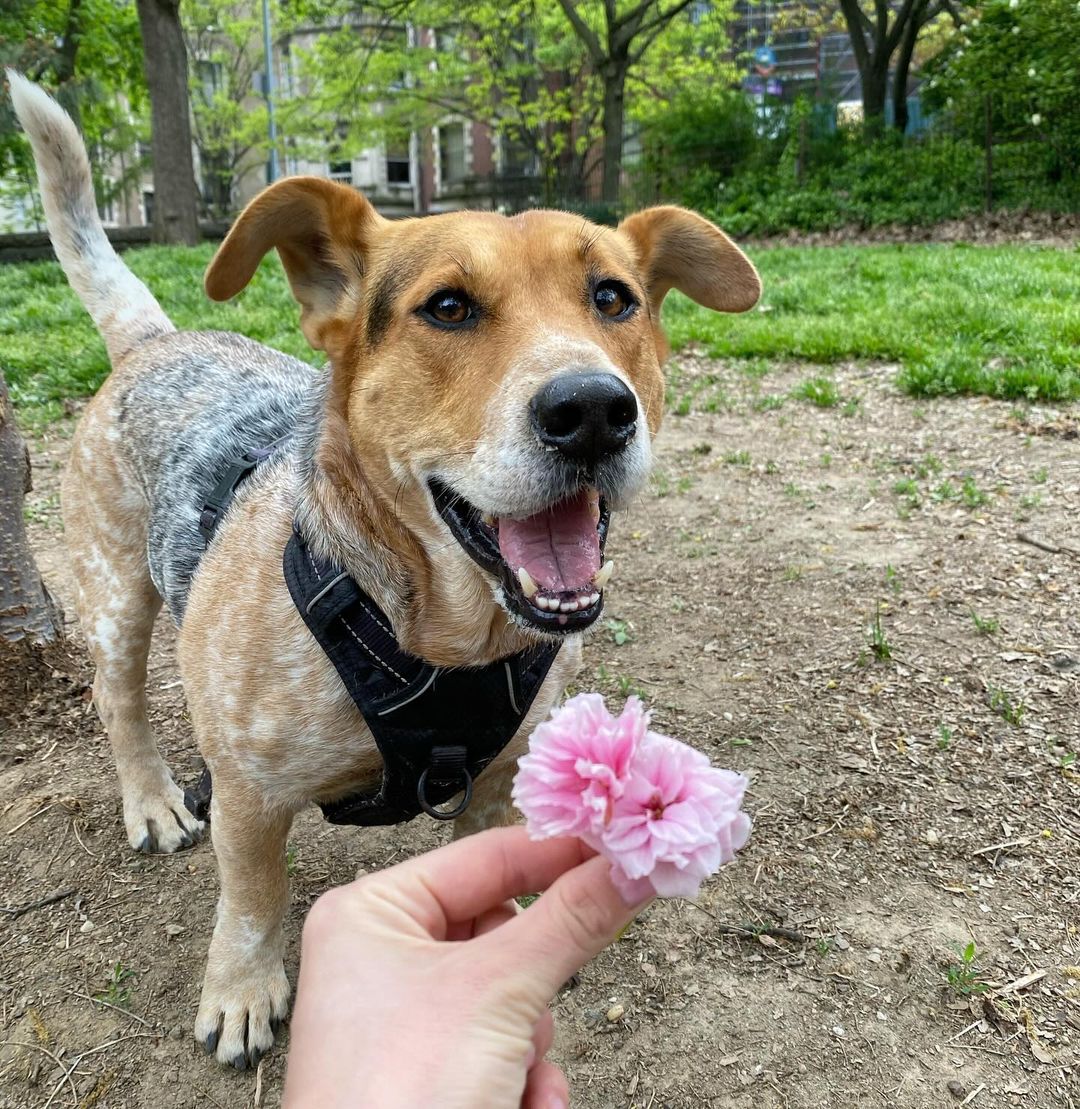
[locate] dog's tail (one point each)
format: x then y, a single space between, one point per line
123 308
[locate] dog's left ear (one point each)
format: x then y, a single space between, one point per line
678 249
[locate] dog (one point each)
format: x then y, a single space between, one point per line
492 391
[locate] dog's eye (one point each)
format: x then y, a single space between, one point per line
613 299
448 308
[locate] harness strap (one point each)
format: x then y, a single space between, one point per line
436 728
220 497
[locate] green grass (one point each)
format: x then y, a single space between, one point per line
49 349
1002 321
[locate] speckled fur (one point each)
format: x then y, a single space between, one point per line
400 402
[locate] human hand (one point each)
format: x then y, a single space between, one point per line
423 985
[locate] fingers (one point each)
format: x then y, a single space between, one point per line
464 879
546 1088
579 915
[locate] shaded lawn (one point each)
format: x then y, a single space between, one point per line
1003 321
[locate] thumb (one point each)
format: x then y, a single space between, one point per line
579 915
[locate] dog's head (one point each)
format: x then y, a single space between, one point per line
500 376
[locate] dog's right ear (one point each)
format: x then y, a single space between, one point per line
321 230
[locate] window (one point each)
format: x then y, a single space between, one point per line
341 171
398 164
211 77
452 153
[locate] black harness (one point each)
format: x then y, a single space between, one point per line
436 728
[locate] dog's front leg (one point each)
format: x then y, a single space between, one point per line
245 992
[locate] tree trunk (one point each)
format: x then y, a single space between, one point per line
875 85
614 76
27 612
176 199
903 65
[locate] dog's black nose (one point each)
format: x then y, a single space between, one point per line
586 416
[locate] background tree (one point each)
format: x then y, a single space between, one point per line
176 199
27 612
88 54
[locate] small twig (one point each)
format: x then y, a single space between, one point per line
75 829
1023 537
1021 983
110 1005
258 1085
38 1047
44 808
1022 841
39 904
94 1051
750 929
964 1031
974 1094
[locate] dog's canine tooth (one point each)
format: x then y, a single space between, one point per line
603 575
528 586
593 598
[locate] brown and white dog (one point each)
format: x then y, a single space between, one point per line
491 380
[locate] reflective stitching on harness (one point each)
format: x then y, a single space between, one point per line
418 693
326 589
510 686
375 618
368 650
311 559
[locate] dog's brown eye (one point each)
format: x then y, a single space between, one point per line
448 308
612 300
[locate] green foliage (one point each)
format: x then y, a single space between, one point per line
964 976
50 350
89 55
1020 62
1001 321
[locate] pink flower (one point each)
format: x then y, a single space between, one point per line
576 768
656 808
678 821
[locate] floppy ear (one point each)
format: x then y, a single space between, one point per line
676 248
322 231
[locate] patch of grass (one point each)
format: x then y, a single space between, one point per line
50 350
879 641
621 631
964 976
1012 712
1001 320
983 625
944 737
738 458
117 992
820 391
971 494
768 403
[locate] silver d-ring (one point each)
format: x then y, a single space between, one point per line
443 814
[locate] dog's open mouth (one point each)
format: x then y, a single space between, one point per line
551 564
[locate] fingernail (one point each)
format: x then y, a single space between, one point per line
557 1101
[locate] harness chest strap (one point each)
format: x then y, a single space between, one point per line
436 728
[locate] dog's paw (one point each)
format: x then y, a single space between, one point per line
241 1012
158 822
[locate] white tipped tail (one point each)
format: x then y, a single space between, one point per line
123 308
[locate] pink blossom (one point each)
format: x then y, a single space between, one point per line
656 808
577 766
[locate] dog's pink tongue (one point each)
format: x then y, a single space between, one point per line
560 548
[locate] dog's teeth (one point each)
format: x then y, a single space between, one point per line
603 575
568 606
488 519
528 586
543 603
593 598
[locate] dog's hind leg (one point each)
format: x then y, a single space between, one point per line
104 518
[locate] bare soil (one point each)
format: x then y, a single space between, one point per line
915 794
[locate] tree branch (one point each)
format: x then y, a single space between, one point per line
583 31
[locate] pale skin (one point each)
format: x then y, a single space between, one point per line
424 985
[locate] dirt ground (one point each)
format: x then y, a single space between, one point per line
909 810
